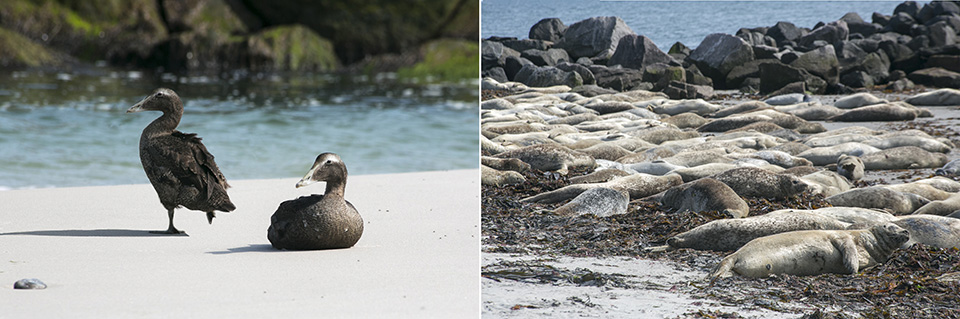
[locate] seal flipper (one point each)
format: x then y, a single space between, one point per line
848 249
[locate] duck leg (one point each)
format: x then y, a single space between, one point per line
170 229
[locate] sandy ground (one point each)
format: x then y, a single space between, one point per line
418 255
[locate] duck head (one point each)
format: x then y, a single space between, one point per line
162 99
326 168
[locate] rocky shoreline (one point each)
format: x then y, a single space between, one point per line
214 36
916 45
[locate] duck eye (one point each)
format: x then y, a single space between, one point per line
328 162
159 94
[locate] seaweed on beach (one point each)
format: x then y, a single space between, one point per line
918 282
538 272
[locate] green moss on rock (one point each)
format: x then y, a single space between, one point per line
446 60
16 50
297 48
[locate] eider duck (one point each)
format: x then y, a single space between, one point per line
318 221
180 168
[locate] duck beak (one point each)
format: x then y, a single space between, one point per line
136 107
307 179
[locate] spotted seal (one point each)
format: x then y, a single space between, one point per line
705 194
937 231
756 182
599 201
637 185
814 252
878 197
550 157
731 234
850 167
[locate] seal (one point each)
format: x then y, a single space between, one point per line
827 183
814 252
940 207
494 177
505 164
731 234
856 215
880 198
685 120
599 176
488 147
637 185
787 99
941 97
821 156
599 201
856 100
937 231
657 167
550 157
705 194
318 221
904 157
814 112
850 167
792 148
607 151
697 158
756 182
891 141
951 168
524 139
674 107
690 174
941 183
924 190
878 113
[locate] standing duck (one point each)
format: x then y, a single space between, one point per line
318 221
180 168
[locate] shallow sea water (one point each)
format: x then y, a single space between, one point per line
60 129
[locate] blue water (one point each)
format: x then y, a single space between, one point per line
666 22
61 129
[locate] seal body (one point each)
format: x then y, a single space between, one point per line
731 234
706 194
814 252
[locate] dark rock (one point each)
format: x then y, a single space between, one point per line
942 34
747 70
494 54
637 52
583 71
900 23
784 31
857 79
896 75
774 76
937 8
620 79
856 25
868 45
527 44
901 57
821 62
850 55
584 61
877 66
597 36
666 76
500 39
938 77
547 76
881 19
952 20
550 29
695 77
900 85
910 8
750 85
29 283
918 29
761 52
679 48
513 64
719 53
679 90
786 56
831 33
757 38
546 58
496 73
791 88
949 62
591 90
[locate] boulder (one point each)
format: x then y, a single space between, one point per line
637 52
747 70
941 34
856 25
593 37
719 53
949 62
821 62
549 57
620 79
774 76
831 33
783 32
496 73
549 29
938 77
900 23
527 44
583 71
937 8
535 76
910 8
857 79
880 19
513 64
494 54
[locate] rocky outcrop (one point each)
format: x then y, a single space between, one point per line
594 37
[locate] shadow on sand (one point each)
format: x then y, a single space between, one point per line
248 249
91 233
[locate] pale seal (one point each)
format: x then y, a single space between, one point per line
600 201
690 174
941 97
599 176
880 198
744 107
685 120
853 101
674 107
891 141
924 190
731 234
951 168
550 157
505 164
787 99
940 207
705 194
829 155
493 177
827 183
756 182
877 113
814 252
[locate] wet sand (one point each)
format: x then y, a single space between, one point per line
90 245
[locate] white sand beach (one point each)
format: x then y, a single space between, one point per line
418 255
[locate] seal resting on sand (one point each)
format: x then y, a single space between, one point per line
814 252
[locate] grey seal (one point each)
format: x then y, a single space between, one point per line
731 234
637 185
599 176
879 197
941 97
924 190
827 183
829 155
937 231
318 221
599 201
903 157
505 164
685 120
550 157
940 207
814 252
878 113
705 194
850 167
853 101
690 174
951 168
756 182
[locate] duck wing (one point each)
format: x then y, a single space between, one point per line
182 160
